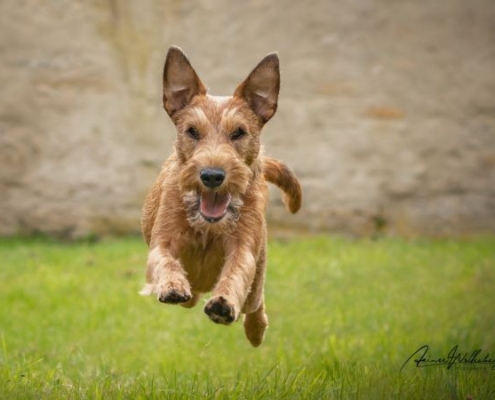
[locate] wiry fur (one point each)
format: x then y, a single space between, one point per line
189 254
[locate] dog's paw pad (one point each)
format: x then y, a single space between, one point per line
174 297
220 311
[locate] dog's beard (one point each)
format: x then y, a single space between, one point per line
201 222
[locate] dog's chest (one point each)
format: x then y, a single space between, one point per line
203 263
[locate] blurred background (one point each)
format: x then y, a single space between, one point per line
386 113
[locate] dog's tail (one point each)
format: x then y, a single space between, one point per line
282 176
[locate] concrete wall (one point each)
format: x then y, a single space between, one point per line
387 108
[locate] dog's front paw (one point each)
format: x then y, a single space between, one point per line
169 292
174 292
174 296
221 311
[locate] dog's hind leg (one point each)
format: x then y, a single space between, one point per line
255 325
255 296
256 321
192 301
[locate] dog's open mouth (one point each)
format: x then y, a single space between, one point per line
213 205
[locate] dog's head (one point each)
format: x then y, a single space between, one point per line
218 138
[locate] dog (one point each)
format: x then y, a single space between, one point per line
204 217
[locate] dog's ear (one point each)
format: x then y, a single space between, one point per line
180 81
260 89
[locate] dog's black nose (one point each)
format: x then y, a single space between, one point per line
212 177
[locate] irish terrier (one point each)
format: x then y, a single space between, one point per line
204 218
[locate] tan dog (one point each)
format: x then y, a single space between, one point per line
204 218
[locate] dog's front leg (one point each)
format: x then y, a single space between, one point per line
232 288
166 278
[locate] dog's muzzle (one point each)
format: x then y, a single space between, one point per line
213 204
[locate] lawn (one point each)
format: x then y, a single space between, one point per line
345 315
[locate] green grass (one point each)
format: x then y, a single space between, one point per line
344 316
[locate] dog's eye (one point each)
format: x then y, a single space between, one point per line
237 134
193 133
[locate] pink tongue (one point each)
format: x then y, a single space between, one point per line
214 205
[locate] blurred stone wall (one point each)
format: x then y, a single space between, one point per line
387 108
